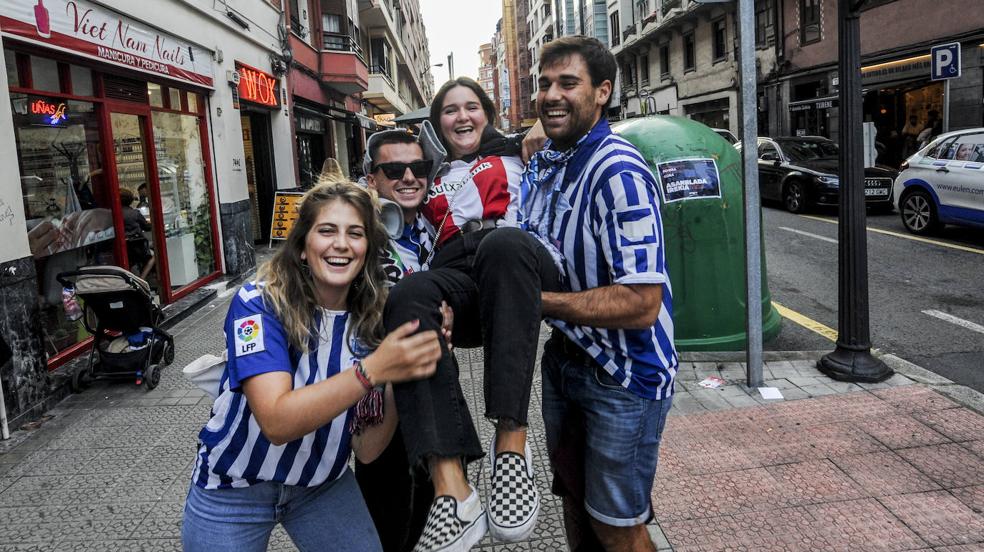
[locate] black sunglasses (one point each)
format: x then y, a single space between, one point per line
396 169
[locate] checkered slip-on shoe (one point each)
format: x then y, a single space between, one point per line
515 500
453 527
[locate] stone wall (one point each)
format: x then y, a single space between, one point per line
237 237
25 376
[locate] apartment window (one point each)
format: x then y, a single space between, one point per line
765 29
295 14
664 61
628 74
809 21
380 57
689 54
720 31
644 70
331 23
613 25
643 8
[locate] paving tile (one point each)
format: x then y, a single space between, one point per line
973 497
977 447
884 474
912 398
121 545
705 496
979 547
819 390
937 517
949 465
812 482
863 525
901 431
959 424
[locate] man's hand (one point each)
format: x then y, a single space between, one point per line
533 141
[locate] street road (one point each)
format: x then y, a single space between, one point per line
926 294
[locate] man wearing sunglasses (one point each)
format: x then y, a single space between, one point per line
396 169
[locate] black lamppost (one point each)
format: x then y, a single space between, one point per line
852 359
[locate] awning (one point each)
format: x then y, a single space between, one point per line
415 116
366 122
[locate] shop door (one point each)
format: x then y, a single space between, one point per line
139 212
258 156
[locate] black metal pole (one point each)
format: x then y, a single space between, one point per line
852 359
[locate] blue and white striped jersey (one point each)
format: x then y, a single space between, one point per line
232 451
408 253
607 227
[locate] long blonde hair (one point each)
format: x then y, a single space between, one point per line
289 289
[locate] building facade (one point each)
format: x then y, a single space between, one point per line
201 111
677 57
119 97
486 71
896 38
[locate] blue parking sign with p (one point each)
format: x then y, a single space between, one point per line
945 61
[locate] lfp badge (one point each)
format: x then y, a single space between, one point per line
249 335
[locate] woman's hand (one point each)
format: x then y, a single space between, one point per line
402 356
447 323
533 141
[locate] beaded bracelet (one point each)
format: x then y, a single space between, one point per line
362 376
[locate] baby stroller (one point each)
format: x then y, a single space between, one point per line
126 338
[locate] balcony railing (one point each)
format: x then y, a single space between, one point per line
380 70
670 4
629 31
337 42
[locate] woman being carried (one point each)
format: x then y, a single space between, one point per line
305 344
491 274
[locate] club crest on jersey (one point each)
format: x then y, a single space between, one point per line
249 335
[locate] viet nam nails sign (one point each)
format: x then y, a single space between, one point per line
95 32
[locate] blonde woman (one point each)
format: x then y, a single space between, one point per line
305 345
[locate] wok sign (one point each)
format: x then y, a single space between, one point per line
257 86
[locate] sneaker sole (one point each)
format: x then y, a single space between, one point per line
469 537
519 532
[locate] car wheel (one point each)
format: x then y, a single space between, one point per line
919 213
794 197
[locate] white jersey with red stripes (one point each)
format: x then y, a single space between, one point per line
485 188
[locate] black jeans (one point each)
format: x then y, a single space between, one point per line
493 280
398 498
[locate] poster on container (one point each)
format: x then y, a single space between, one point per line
685 179
96 32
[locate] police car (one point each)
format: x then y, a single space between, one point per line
943 183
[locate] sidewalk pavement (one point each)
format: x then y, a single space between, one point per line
833 466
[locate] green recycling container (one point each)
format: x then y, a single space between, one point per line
700 181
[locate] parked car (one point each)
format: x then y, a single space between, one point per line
802 172
726 134
943 183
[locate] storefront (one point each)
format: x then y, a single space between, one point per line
105 107
259 100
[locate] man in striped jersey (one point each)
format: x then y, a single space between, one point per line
608 368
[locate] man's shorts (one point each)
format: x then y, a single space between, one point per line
603 439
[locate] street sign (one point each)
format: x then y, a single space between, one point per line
945 60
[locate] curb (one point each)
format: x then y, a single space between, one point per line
962 394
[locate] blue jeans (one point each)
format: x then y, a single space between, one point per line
602 438
331 516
